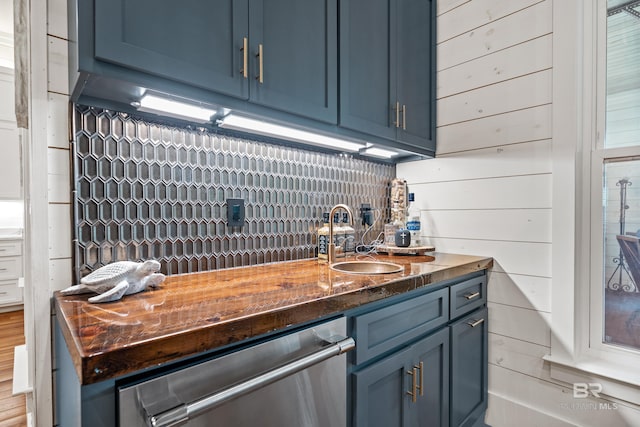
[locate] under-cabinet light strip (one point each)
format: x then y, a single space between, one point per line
236 122
178 109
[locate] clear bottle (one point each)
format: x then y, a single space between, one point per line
396 224
349 234
413 222
323 239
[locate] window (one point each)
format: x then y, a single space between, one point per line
595 324
616 280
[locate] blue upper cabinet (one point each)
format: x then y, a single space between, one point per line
198 42
387 70
294 50
367 68
363 70
281 53
416 70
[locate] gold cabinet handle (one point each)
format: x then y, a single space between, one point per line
260 56
472 296
476 323
414 387
421 386
245 57
397 110
404 117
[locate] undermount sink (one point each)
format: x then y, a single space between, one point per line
367 267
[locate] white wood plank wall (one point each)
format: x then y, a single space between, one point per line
488 192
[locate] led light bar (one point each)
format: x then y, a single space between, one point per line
181 110
236 122
378 152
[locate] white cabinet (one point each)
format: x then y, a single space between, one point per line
10 156
10 272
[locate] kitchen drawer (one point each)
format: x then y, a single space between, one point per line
10 293
10 268
468 295
390 327
10 248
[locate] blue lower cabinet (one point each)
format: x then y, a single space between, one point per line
469 369
409 388
380 392
430 364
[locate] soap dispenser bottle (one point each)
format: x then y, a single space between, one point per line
349 234
323 239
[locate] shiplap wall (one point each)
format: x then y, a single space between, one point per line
489 192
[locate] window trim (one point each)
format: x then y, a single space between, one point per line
580 27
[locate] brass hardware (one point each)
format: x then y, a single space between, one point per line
397 110
472 296
404 117
245 57
476 323
260 56
421 386
414 387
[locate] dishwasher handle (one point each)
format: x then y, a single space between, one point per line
181 414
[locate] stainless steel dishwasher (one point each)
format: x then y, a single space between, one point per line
296 380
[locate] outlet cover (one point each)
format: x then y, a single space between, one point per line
235 212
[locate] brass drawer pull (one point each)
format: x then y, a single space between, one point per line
260 56
472 296
414 386
421 386
404 117
397 110
476 323
245 54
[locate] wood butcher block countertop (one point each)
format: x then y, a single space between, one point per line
197 312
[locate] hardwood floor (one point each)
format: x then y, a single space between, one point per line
12 408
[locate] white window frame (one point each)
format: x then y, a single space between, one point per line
577 351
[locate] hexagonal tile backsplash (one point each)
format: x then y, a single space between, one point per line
147 190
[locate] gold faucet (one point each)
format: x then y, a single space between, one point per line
332 246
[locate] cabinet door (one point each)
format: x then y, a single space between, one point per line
431 360
416 71
297 71
380 396
367 66
469 368
196 41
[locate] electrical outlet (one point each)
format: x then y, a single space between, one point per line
235 212
366 214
